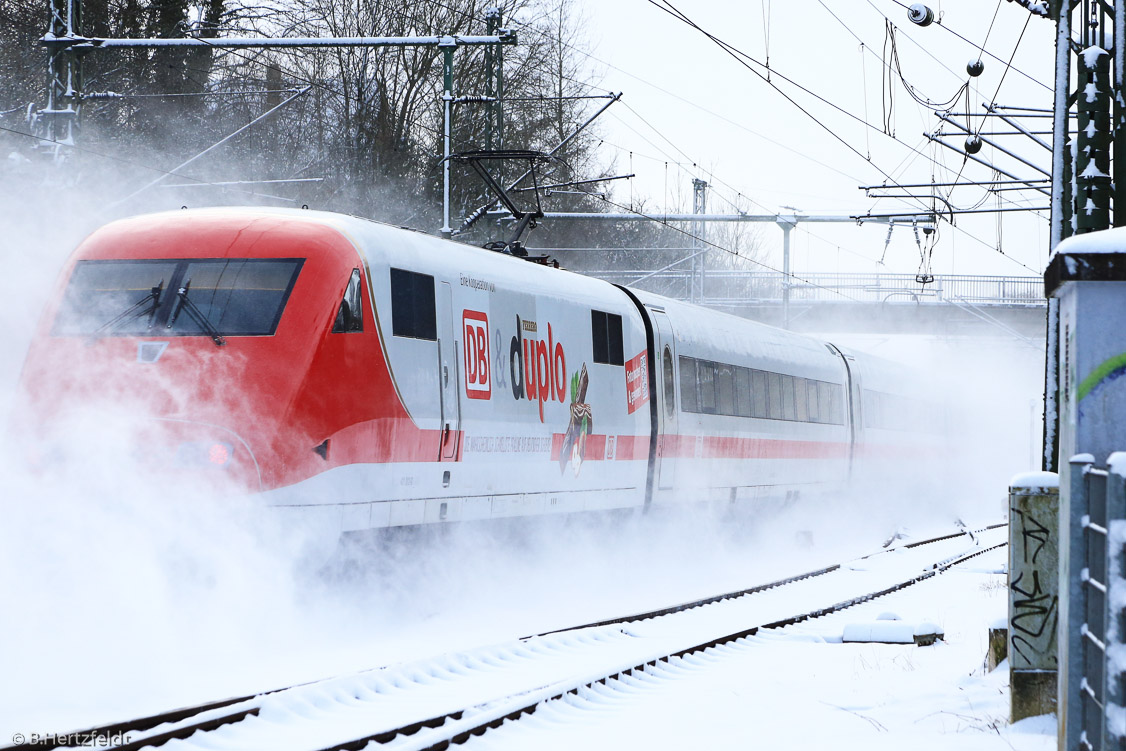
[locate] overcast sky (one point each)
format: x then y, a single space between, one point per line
690 109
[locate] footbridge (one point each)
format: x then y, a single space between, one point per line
948 304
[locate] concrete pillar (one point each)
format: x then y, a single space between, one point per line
1087 274
1033 592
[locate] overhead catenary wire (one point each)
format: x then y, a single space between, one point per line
886 80
742 58
915 151
434 130
1008 66
947 28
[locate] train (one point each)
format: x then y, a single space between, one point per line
375 377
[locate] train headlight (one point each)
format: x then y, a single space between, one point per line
219 454
204 454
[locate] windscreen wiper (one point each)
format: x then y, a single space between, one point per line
184 303
135 311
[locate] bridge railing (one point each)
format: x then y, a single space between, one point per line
724 286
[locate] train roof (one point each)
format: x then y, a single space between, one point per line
715 335
701 332
378 242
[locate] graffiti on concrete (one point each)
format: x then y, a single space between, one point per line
1033 593
1033 536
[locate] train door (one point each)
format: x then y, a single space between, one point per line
852 408
665 354
855 410
448 378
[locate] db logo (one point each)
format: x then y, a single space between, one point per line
477 383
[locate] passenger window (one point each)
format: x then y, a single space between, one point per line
774 401
350 315
814 411
670 384
743 392
801 400
688 400
725 390
837 405
758 394
824 400
606 333
412 305
705 371
788 411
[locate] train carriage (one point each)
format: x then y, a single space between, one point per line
372 376
746 410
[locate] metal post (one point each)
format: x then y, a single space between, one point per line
699 206
1051 445
1061 205
786 224
447 102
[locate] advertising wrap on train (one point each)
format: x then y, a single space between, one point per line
637 381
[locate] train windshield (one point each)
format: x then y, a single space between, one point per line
192 297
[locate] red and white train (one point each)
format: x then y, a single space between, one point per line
381 377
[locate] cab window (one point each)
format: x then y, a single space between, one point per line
350 314
177 297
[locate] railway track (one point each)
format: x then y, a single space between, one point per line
436 702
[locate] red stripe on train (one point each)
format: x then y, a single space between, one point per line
731 447
627 447
607 447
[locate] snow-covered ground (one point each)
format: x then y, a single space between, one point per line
798 685
802 688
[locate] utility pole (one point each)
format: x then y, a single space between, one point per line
447 104
787 223
59 120
699 254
